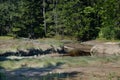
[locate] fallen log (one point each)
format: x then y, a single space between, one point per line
77 49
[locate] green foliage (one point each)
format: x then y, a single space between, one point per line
107 33
110 20
82 19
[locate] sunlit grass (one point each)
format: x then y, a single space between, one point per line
51 41
5 37
15 63
15 45
107 40
50 61
12 63
21 44
28 63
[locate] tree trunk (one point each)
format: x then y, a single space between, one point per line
55 16
44 17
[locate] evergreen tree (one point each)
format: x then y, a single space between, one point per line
82 19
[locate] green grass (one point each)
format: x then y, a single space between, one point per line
62 76
20 44
51 41
65 62
14 45
12 63
28 63
106 40
5 37
50 61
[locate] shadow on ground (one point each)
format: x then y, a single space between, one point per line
58 76
47 76
46 73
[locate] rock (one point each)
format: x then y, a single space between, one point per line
108 48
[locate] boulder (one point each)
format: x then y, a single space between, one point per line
108 48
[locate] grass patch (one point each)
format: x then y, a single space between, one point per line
59 37
64 62
106 40
28 63
16 45
50 61
51 41
6 37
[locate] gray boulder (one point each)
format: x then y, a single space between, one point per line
109 48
